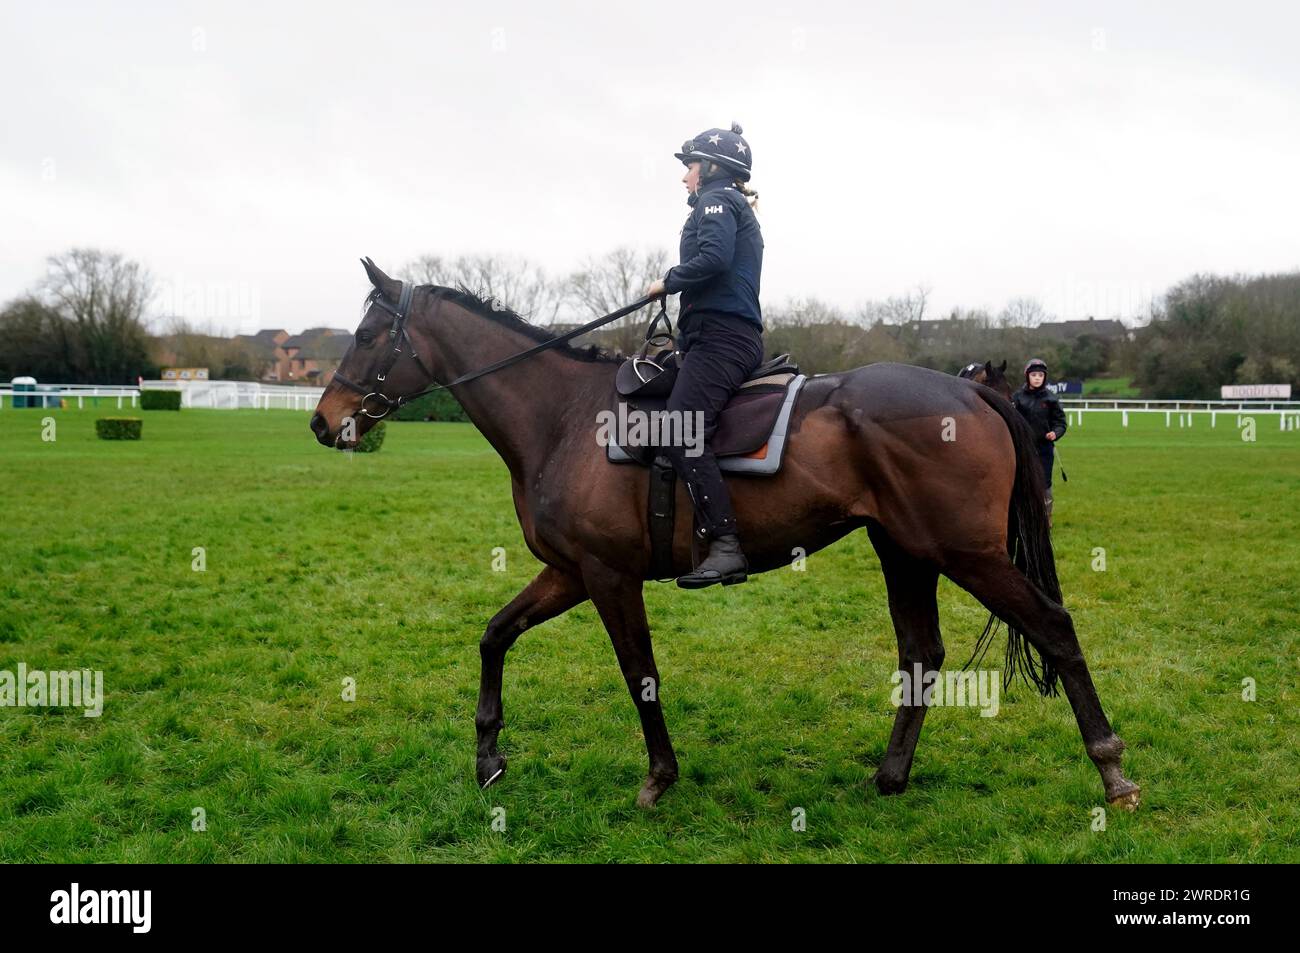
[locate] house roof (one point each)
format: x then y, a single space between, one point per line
325 347
263 342
1106 328
266 334
311 335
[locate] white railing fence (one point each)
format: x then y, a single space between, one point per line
78 392
231 395
218 395
1184 411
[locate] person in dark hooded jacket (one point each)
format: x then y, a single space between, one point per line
720 329
1042 409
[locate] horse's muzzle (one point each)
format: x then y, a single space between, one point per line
321 428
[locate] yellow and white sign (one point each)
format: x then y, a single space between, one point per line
185 373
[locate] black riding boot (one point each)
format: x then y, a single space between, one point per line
711 502
725 563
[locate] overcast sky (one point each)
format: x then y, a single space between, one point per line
248 154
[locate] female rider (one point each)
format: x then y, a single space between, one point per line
720 329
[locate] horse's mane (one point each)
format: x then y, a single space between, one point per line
492 309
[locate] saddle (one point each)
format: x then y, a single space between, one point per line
751 433
750 437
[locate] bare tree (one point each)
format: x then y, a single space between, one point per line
185 343
803 313
430 270
103 296
515 282
902 309
612 281
1023 313
38 341
816 334
920 297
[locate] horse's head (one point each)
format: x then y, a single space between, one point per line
988 375
996 377
381 366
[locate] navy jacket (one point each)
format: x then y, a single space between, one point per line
1043 410
721 255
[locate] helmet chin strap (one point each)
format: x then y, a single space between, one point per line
700 175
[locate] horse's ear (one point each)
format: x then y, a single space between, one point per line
988 369
386 286
1004 365
373 272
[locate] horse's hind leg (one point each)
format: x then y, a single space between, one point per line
1007 593
619 600
912 585
551 593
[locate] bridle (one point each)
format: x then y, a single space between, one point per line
398 337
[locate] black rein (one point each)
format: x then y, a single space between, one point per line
398 337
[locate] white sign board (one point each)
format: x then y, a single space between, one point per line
1255 391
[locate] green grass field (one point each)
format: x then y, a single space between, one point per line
223 688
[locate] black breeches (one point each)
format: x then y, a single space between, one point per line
720 351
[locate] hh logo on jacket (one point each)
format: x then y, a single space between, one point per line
711 209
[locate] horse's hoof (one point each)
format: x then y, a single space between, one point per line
1127 799
887 784
651 791
490 771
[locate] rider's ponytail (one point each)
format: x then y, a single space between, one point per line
750 194
715 170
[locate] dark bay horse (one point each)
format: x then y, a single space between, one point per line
940 472
989 376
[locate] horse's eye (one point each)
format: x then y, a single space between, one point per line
364 338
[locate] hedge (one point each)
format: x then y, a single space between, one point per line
372 440
118 428
160 400
440 405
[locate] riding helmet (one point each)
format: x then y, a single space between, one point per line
726 147
1035 364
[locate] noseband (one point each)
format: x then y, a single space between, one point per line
398 337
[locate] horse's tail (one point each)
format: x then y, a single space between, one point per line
1029 544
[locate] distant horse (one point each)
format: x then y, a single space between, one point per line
942 475
989 376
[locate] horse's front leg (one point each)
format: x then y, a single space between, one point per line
551 593
618 598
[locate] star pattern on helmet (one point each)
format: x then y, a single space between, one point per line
740 147
715 139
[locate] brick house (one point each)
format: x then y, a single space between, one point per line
314 355
266 347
